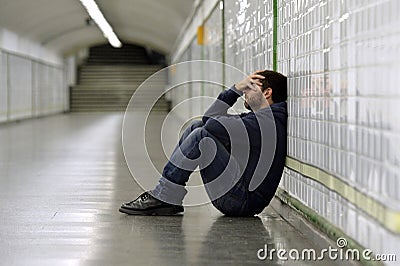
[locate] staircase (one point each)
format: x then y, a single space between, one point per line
127 55
109 78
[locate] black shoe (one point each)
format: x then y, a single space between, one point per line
146 204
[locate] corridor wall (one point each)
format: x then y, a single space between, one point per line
32 80
199 93
341 59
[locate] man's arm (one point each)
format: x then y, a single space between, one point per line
225 100
220 121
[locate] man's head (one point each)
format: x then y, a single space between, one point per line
274 88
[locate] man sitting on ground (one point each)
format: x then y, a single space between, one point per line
238 158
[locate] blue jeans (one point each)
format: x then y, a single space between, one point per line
171 187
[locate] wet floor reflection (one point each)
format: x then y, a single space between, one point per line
235 241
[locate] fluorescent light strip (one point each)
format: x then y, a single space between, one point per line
95 13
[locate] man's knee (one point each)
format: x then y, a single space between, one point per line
201 132
190 128
195 124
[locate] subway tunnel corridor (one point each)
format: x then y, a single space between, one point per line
69 158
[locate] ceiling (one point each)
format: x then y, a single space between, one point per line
61 24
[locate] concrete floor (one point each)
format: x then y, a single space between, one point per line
62 179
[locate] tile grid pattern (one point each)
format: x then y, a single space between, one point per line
341 113
211 50
180 93
249 42
248 37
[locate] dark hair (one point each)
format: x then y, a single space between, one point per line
277 82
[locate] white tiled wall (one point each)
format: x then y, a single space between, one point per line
211 50
178 93
341 57
196 88
342 61
248 47
248 37
248 29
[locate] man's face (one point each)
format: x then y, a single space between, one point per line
253 97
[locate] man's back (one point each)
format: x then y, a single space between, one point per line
220 124
267 188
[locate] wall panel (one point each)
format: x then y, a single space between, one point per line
20 87
179 76
196 88
200 92
248 38
29 88
248 34
213 51
3 87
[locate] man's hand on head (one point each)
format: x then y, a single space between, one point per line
251 82
255 97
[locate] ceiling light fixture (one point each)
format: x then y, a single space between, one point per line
95 13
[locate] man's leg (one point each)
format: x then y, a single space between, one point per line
221 176
225 186
146 204
194 146
193 125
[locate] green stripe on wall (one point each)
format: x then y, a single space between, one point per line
323 225
387 217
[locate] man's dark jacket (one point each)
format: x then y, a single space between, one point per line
216 120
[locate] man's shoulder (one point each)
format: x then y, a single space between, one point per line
280 107
245 114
